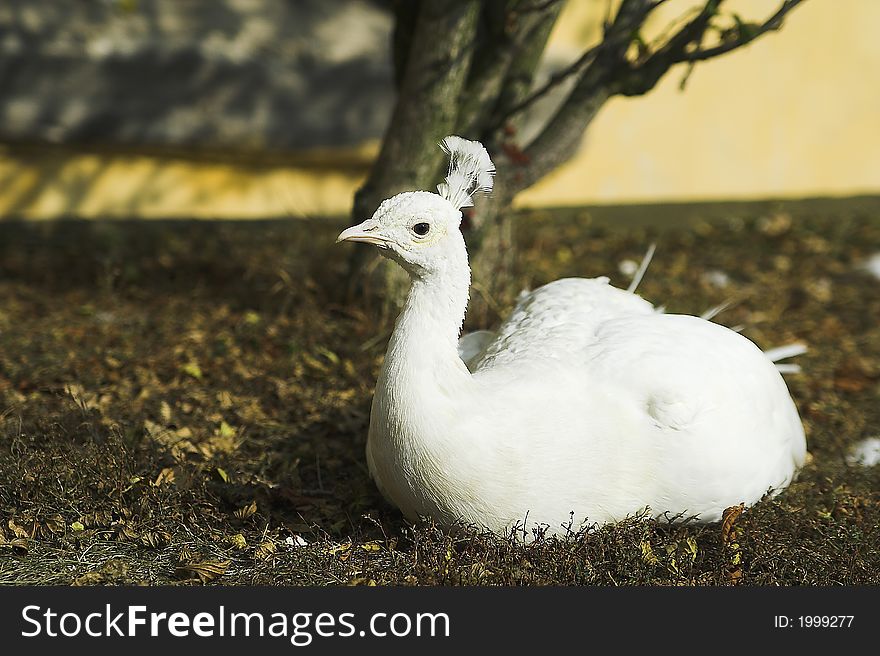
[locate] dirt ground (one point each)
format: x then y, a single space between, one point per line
187 402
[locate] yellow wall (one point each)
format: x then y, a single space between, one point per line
797 113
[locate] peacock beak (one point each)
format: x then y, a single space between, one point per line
367 232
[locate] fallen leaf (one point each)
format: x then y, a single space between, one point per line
728 518
165 412
155 539
330 355
238 541
113 571
728 539
226 430
205 571
265 550
648 553
341 551
18 546
192 369
246 511
18 531
125 532
165 476
56 524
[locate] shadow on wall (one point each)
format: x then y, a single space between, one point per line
260 74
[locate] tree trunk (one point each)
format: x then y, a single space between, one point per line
491 253
467 67
426 111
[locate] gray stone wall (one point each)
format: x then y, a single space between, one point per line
230 74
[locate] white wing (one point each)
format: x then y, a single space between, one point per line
704 393
558 320
713 397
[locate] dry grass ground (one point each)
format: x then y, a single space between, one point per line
185 402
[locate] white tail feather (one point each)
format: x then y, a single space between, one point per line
713 312
787 351
783 352
470 171
642 268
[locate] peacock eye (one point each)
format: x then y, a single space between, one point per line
421 229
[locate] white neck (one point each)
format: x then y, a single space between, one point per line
422 388
425 337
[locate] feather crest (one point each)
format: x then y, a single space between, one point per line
470 171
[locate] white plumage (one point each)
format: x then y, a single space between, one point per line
586 405
865 453
470 171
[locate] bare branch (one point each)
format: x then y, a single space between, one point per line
686 46
606 71
692 31
555 80
771 24
560 137
642 77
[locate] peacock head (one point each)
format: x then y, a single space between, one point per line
420 229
